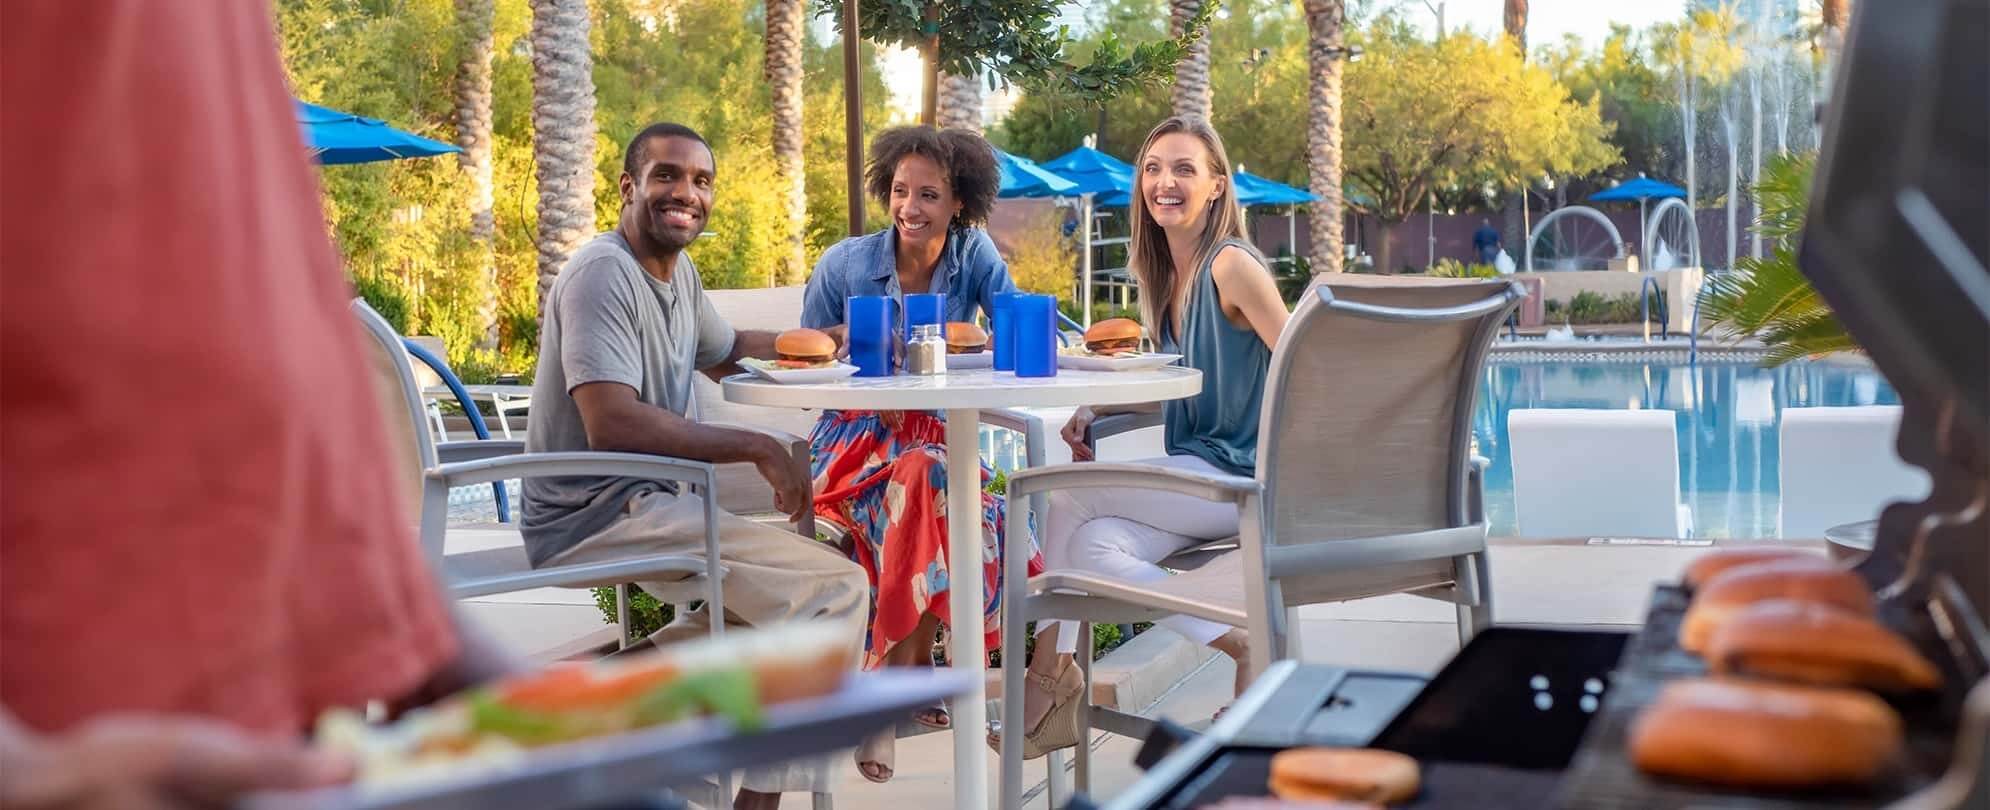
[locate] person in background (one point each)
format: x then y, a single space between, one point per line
205 541
880 477
627 326
1486 242
1207 295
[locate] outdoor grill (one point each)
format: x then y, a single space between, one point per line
1898 235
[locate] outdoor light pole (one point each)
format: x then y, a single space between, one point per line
1085 261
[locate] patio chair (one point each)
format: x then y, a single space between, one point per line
496 561
1364 487
1597 473
1839 466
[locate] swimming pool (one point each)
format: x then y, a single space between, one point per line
1728 415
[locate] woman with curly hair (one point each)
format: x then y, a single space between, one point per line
881 477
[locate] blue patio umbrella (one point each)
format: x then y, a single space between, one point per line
1094 171
1641 189
338 138
1022 177
1255 190
1097 175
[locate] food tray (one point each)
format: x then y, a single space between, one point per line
594 772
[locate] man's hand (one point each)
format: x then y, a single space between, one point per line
1074 433
794 494
153 761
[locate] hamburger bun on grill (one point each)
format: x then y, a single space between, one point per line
1113 336
965 338
1817 644
1269 803
1760 735
1816 580
1711 565
1344 774
804 348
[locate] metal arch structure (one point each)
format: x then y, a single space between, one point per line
1658 215
1583 211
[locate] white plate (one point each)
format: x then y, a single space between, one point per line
980 359
1124 362
766 370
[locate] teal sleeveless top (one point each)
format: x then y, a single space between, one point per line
1220 424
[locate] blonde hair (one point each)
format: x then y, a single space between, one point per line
1163 291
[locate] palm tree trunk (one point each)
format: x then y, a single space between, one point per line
1516 28
1516 24
929 106
1731 126
473 136
1191 96
960 102
562 133
1323 124
1755 156
784 78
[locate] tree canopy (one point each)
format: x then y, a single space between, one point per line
1462 112
1022 42
402 226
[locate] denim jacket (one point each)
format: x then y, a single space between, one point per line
971 273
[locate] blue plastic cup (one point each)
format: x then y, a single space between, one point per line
1035 335
873 321
925 308
1005 331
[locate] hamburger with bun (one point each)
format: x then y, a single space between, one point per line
804 348
1114 336
965 338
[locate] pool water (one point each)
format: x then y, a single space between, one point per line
1728 415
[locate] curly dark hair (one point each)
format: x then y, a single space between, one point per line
965 157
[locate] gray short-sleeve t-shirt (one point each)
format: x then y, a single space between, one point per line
608 321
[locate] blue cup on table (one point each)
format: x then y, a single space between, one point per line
1035 336
925 308
1005 331
873 322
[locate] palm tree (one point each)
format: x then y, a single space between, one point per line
1516 28
960 102
473 136
1324 50
1768 298
1191 97
562 132
784 77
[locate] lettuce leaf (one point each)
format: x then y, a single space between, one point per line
728 693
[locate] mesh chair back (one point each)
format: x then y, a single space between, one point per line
400 398
1368 405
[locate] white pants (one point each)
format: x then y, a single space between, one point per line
1121 533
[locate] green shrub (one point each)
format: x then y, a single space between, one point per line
385 297
1452 268
1594 308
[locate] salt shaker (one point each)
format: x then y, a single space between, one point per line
926 354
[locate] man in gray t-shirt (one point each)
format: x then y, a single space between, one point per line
626 325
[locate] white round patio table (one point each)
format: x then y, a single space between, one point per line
962 394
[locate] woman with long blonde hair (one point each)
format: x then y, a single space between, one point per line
1207 295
